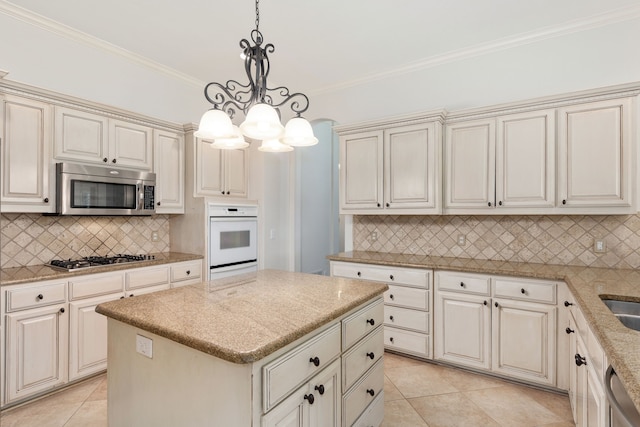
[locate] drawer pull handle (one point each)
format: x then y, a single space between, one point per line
371 392
61 310
40 297
359 274
310 398
391 318
522 291
315 361
371 355
569 330
391 296
462 284
567 303
580 360
188 272
371 322
391 276
319 389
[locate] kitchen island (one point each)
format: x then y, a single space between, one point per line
247 351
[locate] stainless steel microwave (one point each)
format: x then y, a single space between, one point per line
95 190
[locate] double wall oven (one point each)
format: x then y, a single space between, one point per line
233 247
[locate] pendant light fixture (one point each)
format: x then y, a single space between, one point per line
259 103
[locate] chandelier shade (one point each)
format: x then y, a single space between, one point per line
215 124
298 133
274 146
233 143
262 122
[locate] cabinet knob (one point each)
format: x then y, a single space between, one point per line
378 204
62 311
569 330
496 304
391 339
40 297
228 192
315 361
462 284
564 201
113 161
567 303
371 322
391 276
319 389
105 160
371 355
121 297
158 203
489 204
46 200
130 295
387 204
309 398
580 360
222 191
359 274
485 302
522 291
391 296
188 272
500 203
371 392
391 318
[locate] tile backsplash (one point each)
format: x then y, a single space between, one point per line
564 240
31 239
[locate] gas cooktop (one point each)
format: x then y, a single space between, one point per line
97 261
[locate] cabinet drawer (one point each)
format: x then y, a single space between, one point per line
95 285
525 290
287 372
148 277
361 357
359 397
406 341
186 271
405 318
36 296
407 297
404 276
374 414
468 283
361 323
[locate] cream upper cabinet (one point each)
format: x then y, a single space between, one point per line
169 169
394 169
596 164
26 178
91 138
361 162
220 173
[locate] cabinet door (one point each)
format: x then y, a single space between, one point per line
325 387
411 167
209 170
130 145
81 136
361 167
573 369
236 172
525 160
169 169
470 165
524 340
581 384
87 337
36 349
25 152
463 329
595 401
595 160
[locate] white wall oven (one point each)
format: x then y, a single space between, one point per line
233 233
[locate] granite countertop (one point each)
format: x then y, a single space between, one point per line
244 318
588 285
34 273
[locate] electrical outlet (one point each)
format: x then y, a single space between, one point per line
462 240
599 246
144 346
154 236
373 236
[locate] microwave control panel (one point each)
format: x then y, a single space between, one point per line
149 195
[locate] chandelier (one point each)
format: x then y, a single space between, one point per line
259 103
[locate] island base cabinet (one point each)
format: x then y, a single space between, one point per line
373 415
363 393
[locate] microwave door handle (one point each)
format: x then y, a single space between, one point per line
140 200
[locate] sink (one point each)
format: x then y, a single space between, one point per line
627 312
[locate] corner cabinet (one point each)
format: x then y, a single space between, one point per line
169 169
391 167
26 180
219 173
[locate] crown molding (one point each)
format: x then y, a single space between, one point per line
57 28
574 26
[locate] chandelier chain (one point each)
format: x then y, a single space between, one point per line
257 16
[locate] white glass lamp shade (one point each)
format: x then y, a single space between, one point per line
214 124
274 146
262 122
235 142
298 133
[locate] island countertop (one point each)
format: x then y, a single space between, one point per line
244 318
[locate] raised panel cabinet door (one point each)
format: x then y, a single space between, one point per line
36 349
524 340
292 412
410 179
130 145
169 170
81 136
462 329
327 392
361 171
25 141
595 159
470 165
236 172
87 337
525 160
209 169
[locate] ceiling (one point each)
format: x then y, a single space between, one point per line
323 45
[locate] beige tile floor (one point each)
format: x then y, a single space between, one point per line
417 394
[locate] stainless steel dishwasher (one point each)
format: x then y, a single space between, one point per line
623 411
